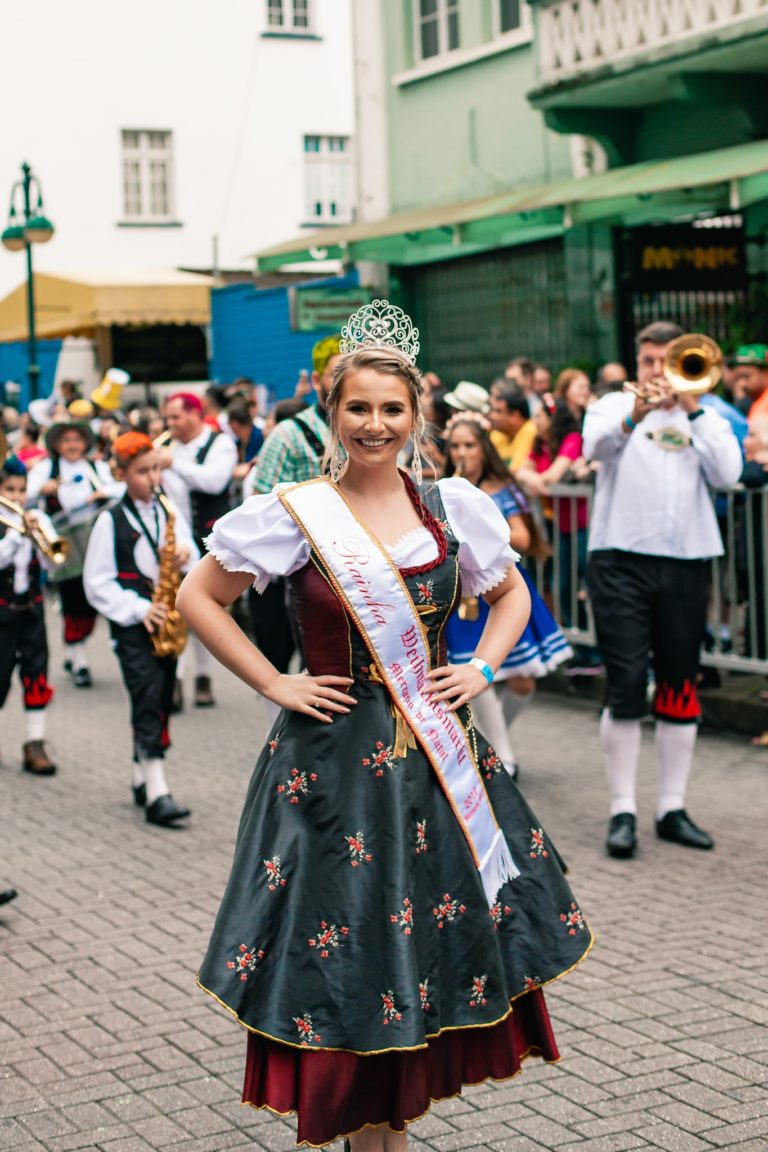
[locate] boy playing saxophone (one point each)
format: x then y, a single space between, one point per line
133 548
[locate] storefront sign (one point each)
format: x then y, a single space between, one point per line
323 309
686 257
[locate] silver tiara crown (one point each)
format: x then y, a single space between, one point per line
380 325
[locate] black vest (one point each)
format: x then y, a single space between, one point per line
128 574
207 507
31 600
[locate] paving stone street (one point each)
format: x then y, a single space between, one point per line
106 1043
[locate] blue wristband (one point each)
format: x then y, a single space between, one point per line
630 423
481 666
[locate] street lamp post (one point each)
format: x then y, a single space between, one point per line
36 229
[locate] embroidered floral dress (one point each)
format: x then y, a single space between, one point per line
354 922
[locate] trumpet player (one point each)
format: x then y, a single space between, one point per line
652 535
122 567
23 639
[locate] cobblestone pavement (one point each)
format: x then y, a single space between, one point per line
105 1042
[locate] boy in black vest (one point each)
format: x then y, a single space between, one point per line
121 573
23 639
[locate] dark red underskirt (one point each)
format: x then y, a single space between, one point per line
336 1093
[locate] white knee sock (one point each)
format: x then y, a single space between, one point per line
138 774
154 778
203 658
76 654
674 753
620 740
181 664
35 724
513 703
489 717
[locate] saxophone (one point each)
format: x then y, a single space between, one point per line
169 638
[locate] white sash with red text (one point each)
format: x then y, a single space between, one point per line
371 588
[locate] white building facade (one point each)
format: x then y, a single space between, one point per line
179 133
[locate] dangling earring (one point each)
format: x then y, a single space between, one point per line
416 468
337 464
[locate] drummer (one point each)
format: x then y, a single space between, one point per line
71 488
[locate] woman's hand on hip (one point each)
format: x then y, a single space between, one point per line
455 683
313 695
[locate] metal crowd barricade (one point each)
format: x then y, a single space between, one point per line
738 607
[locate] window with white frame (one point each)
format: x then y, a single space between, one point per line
327 179
437 27
147 175
289 16
509 16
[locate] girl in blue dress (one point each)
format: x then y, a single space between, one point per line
542 646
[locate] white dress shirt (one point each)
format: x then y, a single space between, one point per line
76 482
102 589
652 500
17 550
185 475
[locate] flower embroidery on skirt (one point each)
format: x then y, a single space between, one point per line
421 836
530 983
297 785
382 757
306 1031
491 764
246 960
357 852
424 995
329 936
477 992
404 918
573 919
497 911
272 745
390 1008
275 878
537 844
448 910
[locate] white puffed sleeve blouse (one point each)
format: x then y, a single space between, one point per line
262 539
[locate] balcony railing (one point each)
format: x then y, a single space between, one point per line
580 35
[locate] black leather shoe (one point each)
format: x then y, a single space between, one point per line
622 840
82 678
8 895
678 827
165 811
139 795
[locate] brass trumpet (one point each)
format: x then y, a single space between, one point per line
54 548
692 364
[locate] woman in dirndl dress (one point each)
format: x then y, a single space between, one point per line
542 646
394 906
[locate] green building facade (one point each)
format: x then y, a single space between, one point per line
561 172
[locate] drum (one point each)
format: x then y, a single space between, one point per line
76 527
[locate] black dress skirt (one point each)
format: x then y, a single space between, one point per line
354 940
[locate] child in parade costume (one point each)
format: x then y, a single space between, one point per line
542 646
69 482
23 639
394 906
122 566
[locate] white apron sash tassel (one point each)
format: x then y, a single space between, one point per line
372 590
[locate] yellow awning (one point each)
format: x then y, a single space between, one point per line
722 180
76 305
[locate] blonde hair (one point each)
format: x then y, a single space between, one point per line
387 362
